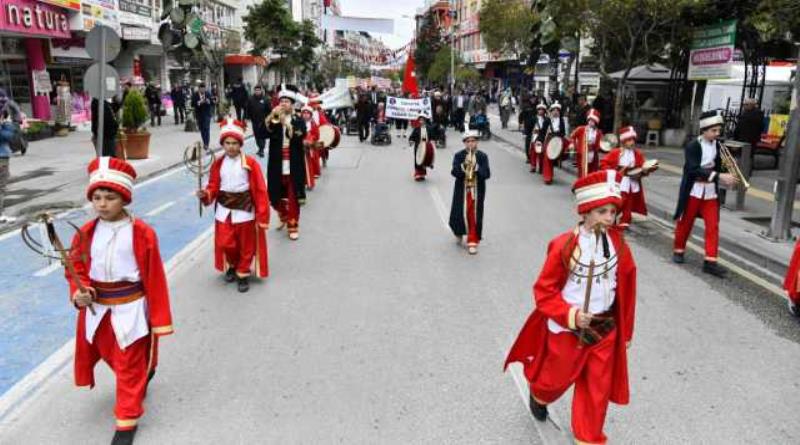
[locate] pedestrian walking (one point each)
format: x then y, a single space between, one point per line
364 114
7 134
153 95
239 96
471 170
424 151
586 143
117 260
178 96
258 108
582 326
750 125
286 166
629 161
702 174
241 213
110 128
204 104
460 102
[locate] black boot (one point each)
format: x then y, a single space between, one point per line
712 268
124 437
230 275
678 258
538 410
243 285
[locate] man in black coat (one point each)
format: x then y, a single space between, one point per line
258 108
178 97
239 97
286 163
750 124
153 95
364 114
471 170
110 127
581 111
204 104
699 192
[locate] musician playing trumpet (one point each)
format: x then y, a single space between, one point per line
630 162
702 175
471 170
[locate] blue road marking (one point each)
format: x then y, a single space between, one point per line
35 315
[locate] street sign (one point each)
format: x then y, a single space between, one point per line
110 84
711 52
95 41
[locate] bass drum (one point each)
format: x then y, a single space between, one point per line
555 146
327 135
425 155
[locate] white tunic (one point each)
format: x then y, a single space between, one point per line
113 260
591 136
628 184
706 190
233 178
603 294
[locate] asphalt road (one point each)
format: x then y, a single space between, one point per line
375 327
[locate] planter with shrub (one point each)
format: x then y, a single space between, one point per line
136 141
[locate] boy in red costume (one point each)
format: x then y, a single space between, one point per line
792 282
117 260
237 186
583 321
586 140
311 146
626 159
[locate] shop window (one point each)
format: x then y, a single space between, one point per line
14 78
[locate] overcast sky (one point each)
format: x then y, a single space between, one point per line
387 9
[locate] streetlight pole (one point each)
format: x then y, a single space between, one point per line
452 13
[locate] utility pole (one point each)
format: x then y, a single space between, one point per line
786 185
453 14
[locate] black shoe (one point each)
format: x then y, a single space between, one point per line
678 258
712 268
793 309
243 285
260 154
538 410
124 437
230 275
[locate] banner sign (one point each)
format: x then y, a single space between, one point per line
409 109
711 54
358 24
31 18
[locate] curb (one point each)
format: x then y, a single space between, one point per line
735 252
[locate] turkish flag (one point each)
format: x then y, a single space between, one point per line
410 78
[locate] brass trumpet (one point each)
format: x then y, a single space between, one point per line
469 166
276 116
729 162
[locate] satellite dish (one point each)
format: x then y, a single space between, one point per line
177 16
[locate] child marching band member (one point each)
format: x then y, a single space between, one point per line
320 118
117 260
237 186
423 148
311 145
541 122
586 140
699 193
585 297
792 282
286 166
471 170
624 159
556 129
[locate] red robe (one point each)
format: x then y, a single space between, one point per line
313 168
532 339
260 197
581 142
154 280
791 282
611 162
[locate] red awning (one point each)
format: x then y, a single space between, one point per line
244 59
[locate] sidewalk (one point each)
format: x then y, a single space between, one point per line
52 175
740 231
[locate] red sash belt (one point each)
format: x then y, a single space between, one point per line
118 292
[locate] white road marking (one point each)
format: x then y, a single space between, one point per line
160 209
25 390
439 204
45 271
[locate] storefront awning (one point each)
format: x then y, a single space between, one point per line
244 59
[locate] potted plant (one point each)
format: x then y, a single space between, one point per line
134 116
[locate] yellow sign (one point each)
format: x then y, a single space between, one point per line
74 5
778 124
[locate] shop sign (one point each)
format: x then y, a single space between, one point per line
135 13
41 82
135 33
33 18
712 51
74 5
99 12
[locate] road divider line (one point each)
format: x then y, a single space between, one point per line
26 389
160 209
47 270
438 202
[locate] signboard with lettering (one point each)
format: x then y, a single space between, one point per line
712 51
133 13
33 18
103 12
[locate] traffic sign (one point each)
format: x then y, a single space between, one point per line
99 37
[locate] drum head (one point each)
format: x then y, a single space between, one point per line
650 164
336 138
605 146
326 135
634 172
554 148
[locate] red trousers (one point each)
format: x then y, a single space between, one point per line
547 169
238 242
708 209
316 156
535 159
420 172
626 211
310 175
472 220
590 369
130 367
289 208
592 166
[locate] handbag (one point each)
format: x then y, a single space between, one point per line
18 143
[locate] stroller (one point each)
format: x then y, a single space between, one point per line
480 123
